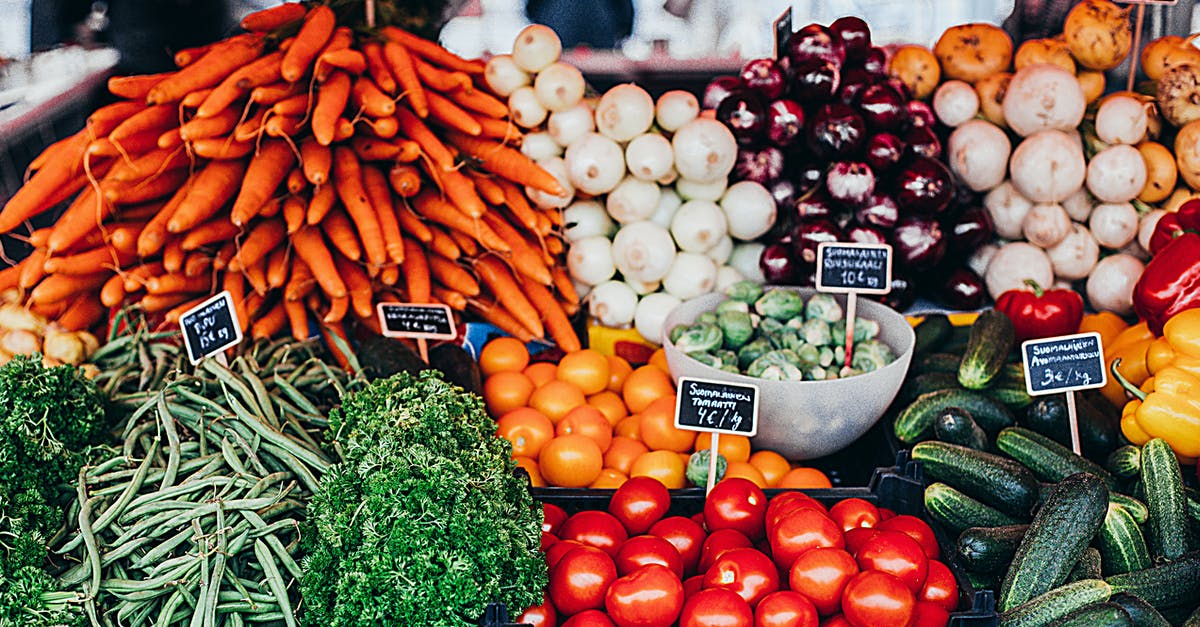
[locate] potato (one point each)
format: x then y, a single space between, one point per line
1187 153
1052 51
1098 33
991 97
1179 94
1092 82
1161 172
917 68
971 52
1166 52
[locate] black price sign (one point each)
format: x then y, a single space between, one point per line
717 406
433 321
862 268
1064 364
210 327
783 32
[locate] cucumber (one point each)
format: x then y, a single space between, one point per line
996 481
1097 615
1049 460
1053 605
1125 462
932 333
938 362
1059 533
992 337
1142 613
1136 508
1047 415
1166 586
1163 483
958 512
1088 567
925 383
1012 394
1122 545
915 422
989 549
956 426
958 340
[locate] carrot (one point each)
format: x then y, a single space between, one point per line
344 130
262 71
256 276
155 161
312 37
169 139
293 213
49 310
262 239
156 118
135 278
277 267
33 198
358 285
83 216
389 275
370 98
300 281
400 62
252 305
297 317
441 80
341 234
405 180
331 102
273 93
270 323
432 52
376 186
177 282
495 128
557 322
489 188
480 102
374 148
312 249
264 174
384 128
411 224
501 282
295 182
272 18
158 303
175 313
323 199
293 105
37 238
82 314
134 87
506 162
196 264
465 243
195 98
442 244
433 208
544 226
211 189
135 144
57 149
139 212
102 121
173 255
347 59
221 148
316 161
187 56
283 125
88 261
216 126
341 39
524 259
348 181
271 208
112 293
218 62
497 315
235 283
453 275
518 204
452 116
416 272
32 269
58 287
151 188
450 298
377 67
461 191
430 144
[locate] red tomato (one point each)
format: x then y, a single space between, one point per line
915 527
940 587
717 543
821 575
785 608
736 503
897 554
885 513
552 517
641 550
801 530
540 615
650 596
716 607
548 540
686 535
579 580
873 598
692 585
599 529
559 549
837 620
748 572
639 503
698 518
927 614
854 513
589 618
787 502
857 537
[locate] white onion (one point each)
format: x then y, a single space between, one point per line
651 312
613 304
1043 97
1121 120
705 150
643 251
571 124
1114 225
503 76
559 87
595 164
649 156
696 190
624 112
642 288
721 251
698 226
539 145
1046 224
1116 174
1049 166
745 259
728 275
586 218
632 200
691 275
1079 205
1013 264
1110 286
669 178
590 260
978 153
676 108
668 203
1008 208
1075 256
536 47
525 109
749 209
557 168
955 102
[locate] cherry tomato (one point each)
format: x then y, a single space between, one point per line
786 502
578 581
785 608
589 618
639 551
837 620
885 513
873 598
685 535
716 607
801 530
599 529
927 614
854 513
717 543
650 596
692 585
555 552
915 527
736 503
540 615
821 575
857 537
747 572
639 503
552 517
897 554
940 587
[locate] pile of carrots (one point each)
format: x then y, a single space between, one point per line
306 169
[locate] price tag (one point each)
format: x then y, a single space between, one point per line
210 327
783 32
716 406
432 321
1166 3
1063 364
862 268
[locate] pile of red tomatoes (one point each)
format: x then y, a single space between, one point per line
744 560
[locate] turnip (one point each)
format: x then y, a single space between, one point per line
749 210
1046 224
1043 97
595 164
979 260
559 87
1047 166
503 76
1116 174
691 275
571 124
1079 205
695 190
652 311
1121 120
558 169
978 153
669 178
955 102
721 251
1099 33
643 251
539 146
586 218
698 225
641 289
745 258
1147 225
624 112
535 48
590 260
1075 256
632 200
1110 286
1013 264
668 203
705 150
613 304
649 156
1008 208
728 275
676 108
525 108
1114 224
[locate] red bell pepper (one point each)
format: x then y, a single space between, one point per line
1174 224
1170 283
1041 313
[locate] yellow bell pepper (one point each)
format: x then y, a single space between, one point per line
1183 332
1108 324
1132 360
1166 406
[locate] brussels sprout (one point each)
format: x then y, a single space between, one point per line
780 304
732 305
744 291
736 327
823 306
730 368
791 339
863 330
826 357
848 371
726 357
816 331
708 317
677 332
772 373
816 373
776 366
697 467
809 355
839 354
700 338
752 350
708 359
871 355
796 323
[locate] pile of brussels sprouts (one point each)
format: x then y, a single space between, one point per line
777 336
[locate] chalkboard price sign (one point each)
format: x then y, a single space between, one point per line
1064 364
433 321
862 268
717 406
210 327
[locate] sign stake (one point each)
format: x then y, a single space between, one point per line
712 464
851 311
1074 422
423 349
1136 52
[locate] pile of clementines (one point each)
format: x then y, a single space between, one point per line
593 420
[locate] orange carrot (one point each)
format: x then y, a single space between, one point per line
370 99
275 92
252 305
556 320
153 236
433 208
341 39
156 118
389 275
269 324
504 286
416 272
295 182
312 37
461 191
58 287
430 144
300 281
9 276
82 314
83 216
151 188
316 160
277 267
173 255
411 224
256 276
264 174
442 244
88 261
283 125
197 263
112 293
404 179
563 283
175 313
221 148
489 188
262 71
150 163
501 129
518 203
134 87
170 139
272 18
506 162
293 105
297 317
452 116
331 101
33 197
187 56
432 52
211 188
259 242
347 59
401 64
135 278
385 128
450 298
441 80
323 199
376 186
195 98
177 282
544 226
374 148
358 284
217 126
377 67
32 269
524 259
465 242
49 310
453 275
293 213
341 234
235 283
103 120
218 62
480 102
349 183
312 249
498 316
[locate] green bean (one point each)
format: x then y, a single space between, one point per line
230 378
208 509
167 611
168 565
231 458
99 470
275 581
168 423
113 584
260 392
266 482
270 617
213 463
312 458
273 542
250 454
164 498
290 462
89 539
206 584
134 433
126 497
218 571
142 593
235 620
144 525
234 596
